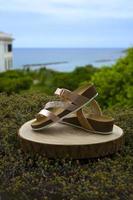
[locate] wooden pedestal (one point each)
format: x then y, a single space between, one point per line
60 141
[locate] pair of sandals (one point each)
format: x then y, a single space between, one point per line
71 110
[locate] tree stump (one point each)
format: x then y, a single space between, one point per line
60 141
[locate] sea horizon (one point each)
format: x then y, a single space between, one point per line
65 59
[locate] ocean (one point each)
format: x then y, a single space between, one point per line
65 59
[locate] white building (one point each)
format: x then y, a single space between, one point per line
6 54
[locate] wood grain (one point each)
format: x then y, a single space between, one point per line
59 141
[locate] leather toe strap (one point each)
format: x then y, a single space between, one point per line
50 115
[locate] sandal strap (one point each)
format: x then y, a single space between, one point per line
71 96
95 107
60 104
48 114
55 104
83 120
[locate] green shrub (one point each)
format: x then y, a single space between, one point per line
49 80
115 84
43 80
14 81
28 176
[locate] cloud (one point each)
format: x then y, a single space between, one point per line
66 9
71 23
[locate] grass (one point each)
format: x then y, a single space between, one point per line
28 176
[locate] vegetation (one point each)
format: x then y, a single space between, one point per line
26 176
14 81
114 84
44 80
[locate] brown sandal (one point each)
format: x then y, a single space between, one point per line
70 102
91 120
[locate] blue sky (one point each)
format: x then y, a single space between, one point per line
68 23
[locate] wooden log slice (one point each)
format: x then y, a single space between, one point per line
60 141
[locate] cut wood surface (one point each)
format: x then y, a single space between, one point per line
59 141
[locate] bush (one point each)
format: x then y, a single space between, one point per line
14 81
115 84
28 176
43 80
49 80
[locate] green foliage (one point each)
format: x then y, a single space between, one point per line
49 80
14 81
115 84
43 80
28 176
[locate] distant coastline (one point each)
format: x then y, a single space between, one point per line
104 60
44 64
66 59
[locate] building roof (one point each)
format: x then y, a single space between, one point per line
5 36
